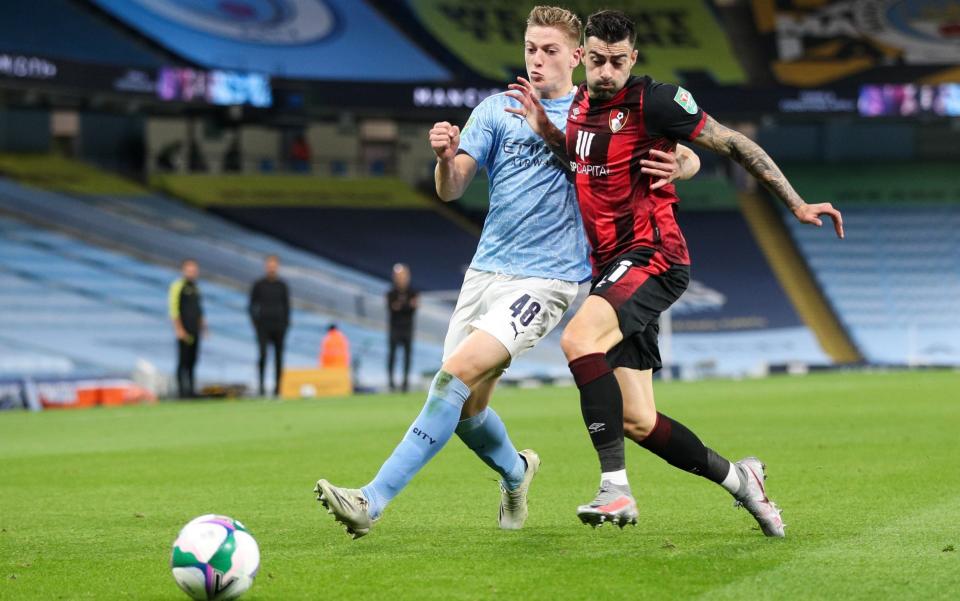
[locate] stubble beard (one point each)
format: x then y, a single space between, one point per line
601 93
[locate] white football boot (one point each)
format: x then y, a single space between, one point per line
347 505
753 496
614 503
513 503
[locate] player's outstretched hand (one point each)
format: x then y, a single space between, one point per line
811 214
445 140
530 107
662 165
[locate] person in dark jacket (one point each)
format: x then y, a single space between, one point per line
402 302
186 314
270 311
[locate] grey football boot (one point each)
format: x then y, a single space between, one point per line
753 496
347 505
513 503
614 503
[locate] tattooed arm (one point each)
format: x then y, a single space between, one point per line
536 116
758 163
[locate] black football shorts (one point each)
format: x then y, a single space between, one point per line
640 285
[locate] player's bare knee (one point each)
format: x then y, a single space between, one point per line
567 344
467 371
470 370
576 344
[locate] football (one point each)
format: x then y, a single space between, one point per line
215 557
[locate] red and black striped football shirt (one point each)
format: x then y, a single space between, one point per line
606 141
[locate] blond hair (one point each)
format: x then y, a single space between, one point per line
558 18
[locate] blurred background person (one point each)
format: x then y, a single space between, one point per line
186 314
300 154
196 161
402 303
269 310
233 156
335 349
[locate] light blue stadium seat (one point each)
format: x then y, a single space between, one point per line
895 280
77 307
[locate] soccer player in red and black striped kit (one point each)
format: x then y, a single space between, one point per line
641 264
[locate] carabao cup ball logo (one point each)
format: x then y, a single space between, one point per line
278 22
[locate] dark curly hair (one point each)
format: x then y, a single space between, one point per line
611 26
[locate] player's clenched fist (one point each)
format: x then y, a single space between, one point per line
445 140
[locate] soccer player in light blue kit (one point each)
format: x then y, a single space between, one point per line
525 274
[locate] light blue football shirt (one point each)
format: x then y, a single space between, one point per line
533 227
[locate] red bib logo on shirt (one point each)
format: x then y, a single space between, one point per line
618 118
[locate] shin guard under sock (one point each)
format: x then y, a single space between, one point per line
601 404
678 446
428 433
486 435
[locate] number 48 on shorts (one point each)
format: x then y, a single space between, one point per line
525 309
517 311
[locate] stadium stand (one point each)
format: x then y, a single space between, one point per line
323 249
735 318
160 231
764 217
895 281
361 224
371 240
154 232
64 29
151 228
77 307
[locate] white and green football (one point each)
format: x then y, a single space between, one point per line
215 557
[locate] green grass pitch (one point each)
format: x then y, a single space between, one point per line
866 466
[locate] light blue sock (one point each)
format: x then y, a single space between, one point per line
427 435
486 436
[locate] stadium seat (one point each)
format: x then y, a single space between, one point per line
75 307
894 281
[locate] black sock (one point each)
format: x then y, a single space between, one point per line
678 446
602 406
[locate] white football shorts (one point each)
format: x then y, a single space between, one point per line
518 311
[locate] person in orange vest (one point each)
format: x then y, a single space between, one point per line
335 349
